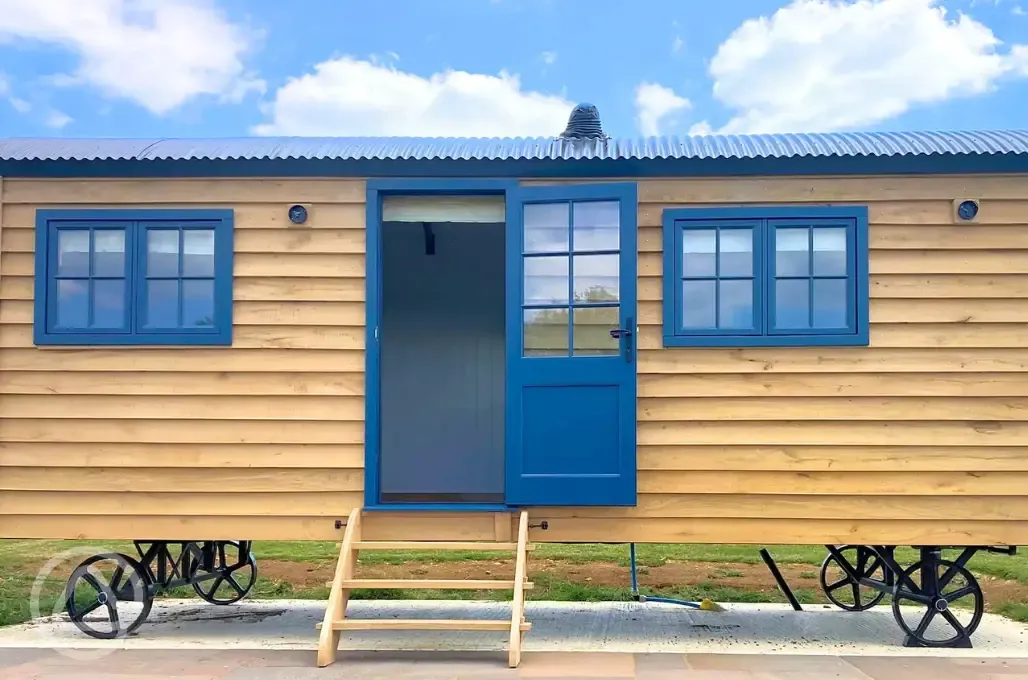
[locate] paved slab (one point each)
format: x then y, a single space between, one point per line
625 627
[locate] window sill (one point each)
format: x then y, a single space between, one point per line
858 340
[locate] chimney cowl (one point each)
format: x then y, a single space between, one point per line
584 123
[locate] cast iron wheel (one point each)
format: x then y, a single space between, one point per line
108 596
234 573
843 591
956 586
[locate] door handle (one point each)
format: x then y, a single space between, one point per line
624 336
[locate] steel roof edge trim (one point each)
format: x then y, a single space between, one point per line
815 145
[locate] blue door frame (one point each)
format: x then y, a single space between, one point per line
514 194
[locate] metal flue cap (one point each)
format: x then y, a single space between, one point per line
584 123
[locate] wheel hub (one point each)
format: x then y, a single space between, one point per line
101 598
940 605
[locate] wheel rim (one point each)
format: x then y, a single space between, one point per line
843 591
951 617
107 596
233 575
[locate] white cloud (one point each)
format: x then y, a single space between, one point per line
701 128
819 65
677 44
157 53
57 119
655 106
347 96
549 58
20 105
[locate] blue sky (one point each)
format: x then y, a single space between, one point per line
200 68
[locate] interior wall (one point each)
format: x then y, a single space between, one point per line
442 358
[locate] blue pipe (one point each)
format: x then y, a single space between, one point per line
643 598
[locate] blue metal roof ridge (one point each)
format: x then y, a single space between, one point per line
792 145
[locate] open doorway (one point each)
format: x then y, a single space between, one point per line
442 353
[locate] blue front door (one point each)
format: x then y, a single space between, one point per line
571 340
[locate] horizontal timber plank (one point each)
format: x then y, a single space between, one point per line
243 289
807 506
927 286
638 530
832 385
166 455
181 431
828 483
181 480
747 408
247 408
267 216
835 433
277 503
17 336
880 458
182 359
860 189
205 190
198 384
833 360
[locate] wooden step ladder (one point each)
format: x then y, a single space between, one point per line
335 614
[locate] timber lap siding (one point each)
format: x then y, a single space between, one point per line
918 439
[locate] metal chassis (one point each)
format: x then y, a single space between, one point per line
194 563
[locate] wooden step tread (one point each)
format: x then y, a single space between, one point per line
425 624
438 545
440 584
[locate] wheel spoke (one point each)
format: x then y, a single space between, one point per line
953 621
926 621
232 581
119 572
217 583
872 568
856 594
91 580
838 584
221 554
112 611
957 594
92 607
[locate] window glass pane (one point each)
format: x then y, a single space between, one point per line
546 280
198 304
597 225
109 252
735 251
829 252
162 252
546 332
792 303
596 278
162 304
792 254
72 252
591 331
735 304
72 303
109 303
546 227
698 304
699 247
830 303
198 252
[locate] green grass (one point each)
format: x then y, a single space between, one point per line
21 560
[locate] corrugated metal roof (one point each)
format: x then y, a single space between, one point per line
879 144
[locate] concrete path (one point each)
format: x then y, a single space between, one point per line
631 628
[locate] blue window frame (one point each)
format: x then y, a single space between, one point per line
133 277
766 276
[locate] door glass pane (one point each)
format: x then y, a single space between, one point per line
546 280
830 303
698 304
198 304
735 252
699 248
591 331
73 252
735 303
596 278
162 252
108 252
162 304
792 254
546 332
792 303
109 303
198 252
547 227
829 252
72 303
597 225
